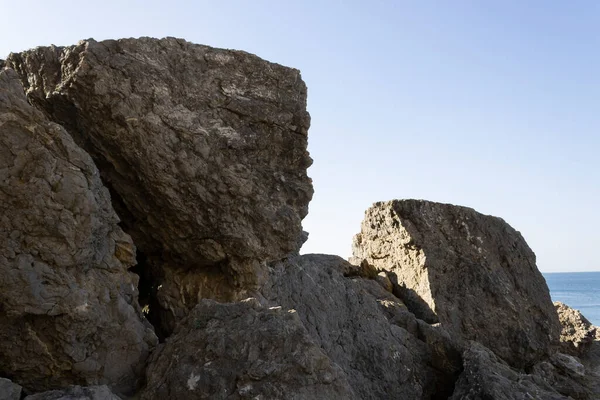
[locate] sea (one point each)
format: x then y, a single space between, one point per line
578 290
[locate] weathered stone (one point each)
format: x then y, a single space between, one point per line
8 389
242 351
485 376
68 305
383 349
204 149
577 332
471 272
76 393
569 377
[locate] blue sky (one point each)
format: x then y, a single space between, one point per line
494 105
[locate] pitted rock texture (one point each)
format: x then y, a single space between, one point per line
207 147
383 349
577 333
68 305
76 393
485 376
242 351
204 149
471 272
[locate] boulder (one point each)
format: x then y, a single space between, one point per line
203 149
9 390
485 376
471 272
242 351
76 393
577 332
68 305
383 349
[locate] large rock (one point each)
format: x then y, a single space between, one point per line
471 272
204 150
485 376
68 305
383 349
242 351
577 333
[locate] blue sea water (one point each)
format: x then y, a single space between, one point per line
578 290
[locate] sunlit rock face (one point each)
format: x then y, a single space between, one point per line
203 149
68 305
471 272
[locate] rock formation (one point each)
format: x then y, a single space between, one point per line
204 151
243 351
577 333
471 272
68 305
383 348
172 176
488 377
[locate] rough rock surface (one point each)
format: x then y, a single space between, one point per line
471 272
383 349
242 351
485 376
569 376
9 390
204 150
577 332
68 305
77 393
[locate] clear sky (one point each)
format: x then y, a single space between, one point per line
490 104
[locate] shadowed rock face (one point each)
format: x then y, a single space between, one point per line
471 272
68 305
243 351
383 349
487 377
204 151
76 393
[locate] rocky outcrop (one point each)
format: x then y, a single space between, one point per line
204 151
486 376
76 393
471 272
243 351
9 390
383 349
198 156
68 305
577 332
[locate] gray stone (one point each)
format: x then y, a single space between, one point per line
68 305
242 351
383 349
485 376
204 150
471 272
8 389
76 393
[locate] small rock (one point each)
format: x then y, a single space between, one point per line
9 390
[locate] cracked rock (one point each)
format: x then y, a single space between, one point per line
242 351
203 149
68 305
471 272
